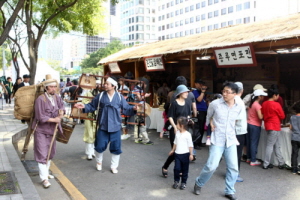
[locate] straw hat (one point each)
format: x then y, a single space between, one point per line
147 109
49 81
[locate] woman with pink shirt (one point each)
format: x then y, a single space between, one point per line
254 126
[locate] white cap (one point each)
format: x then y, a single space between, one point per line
240 85
259 86
259 92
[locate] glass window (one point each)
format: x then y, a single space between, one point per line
238 21
209 28
177 34
216 13
171 25
176 24
153 36
153 19
197 30
223 11
181 22
181 11
247 5
181 33
140 36
187 21
198 18
177 1
202 29
191 19
163 7
147 36
147 19
210 2
230 23
209 15
159 38
162 17
230 9
148 28
163 27
139 19
203 17
147 10
172 14
192 31
172 3
168 26
141 2
177 12
187 32
191 7
238 7
216 26
198 6
216 1
246 20
168 15
223 24
168 5
203 4
187 9
153 28
159 28
159 18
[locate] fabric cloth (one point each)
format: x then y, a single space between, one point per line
89 125
201 106
177 110
295 122
273 113
8 86
215 154
182 163
253 137
110 113
247 100
252 114
183 142
224 119
114 160
241 121
43 171
103 138
273 143
41 147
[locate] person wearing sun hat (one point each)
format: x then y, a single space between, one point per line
247 98
180 107
49 110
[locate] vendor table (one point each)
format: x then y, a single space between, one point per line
157 120
285 146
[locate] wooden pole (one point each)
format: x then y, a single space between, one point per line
192 69
136 69
277 69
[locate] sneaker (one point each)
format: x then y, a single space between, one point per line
182 186
99 167
138 141
294 171
50 176
166 133
149 143
197 189
175 185
255 163
248 161
89 157
125 137
239 179
208 143
46 184
270 166
284 166
114 171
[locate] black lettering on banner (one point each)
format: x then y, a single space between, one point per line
241 55
220 57
248 52
227 55
233 54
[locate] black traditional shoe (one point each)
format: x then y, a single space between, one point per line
197 189
175 185
182 186
230 196
270 166
284 166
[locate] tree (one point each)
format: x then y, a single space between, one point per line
7 56
61 15
89 64
8 23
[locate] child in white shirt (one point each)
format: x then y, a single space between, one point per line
183 149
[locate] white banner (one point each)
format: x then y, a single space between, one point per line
154 63
114 67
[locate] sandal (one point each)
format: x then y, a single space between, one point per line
164 172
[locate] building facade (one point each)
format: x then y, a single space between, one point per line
138 21
178 18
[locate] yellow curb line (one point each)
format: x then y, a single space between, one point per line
71 189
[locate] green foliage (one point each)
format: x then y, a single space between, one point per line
7 57
95 57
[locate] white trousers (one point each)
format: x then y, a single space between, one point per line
44 170
114 160
89 149
143 133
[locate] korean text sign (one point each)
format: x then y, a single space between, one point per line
235 56
114 67
154 63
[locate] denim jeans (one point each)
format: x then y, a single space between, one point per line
181 166
295 150
252 141
215 154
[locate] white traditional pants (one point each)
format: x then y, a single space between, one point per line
89 149
44 170
114 160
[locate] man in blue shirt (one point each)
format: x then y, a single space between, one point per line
201 105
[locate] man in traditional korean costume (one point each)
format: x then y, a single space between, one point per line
46 110
109 103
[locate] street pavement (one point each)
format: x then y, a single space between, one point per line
140 175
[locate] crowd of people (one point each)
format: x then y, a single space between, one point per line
233 126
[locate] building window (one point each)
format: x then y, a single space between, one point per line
230 9
141 2
192 31
153 19
203 17
177 12
197 30
246 20
216 1
239 7
162 17
198 5
191 19
172 14
210 2
168 5
216 13
177 34
181 33
176 24
230 23
139 19
139 27
198 18
140 36
247 5
181 11
181 22
216 26
203 4
163 7
168 15
209 28
187 9
187 21
223 24
168 26
163 28
163 37
202 29
191 7
159 18
223 11
187 32
159 38
209 15
238 21
148 28
177 1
